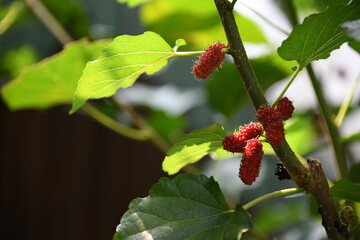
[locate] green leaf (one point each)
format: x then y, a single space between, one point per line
319 34
133 3
352 29
120 64
346 189
193 146
189 207
53 80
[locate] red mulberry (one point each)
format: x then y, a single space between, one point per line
273 125
251 161
211 59
236 142
285 108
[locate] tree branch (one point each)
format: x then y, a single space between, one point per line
307 175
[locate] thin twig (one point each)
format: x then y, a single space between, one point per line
11 16
49 21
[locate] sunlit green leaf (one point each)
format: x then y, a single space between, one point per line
319 34
120 64
193 146
346 189
188 207
53 80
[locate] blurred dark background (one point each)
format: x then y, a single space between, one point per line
61 176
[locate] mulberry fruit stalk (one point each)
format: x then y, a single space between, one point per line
211 59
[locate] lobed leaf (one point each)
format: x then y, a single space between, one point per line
189 207
193 146
53 80
120 64
346 189
319 34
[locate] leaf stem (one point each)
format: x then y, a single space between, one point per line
331 128
293 76
49 21
189 53
142 124
114 125
11 16
346 104
272 195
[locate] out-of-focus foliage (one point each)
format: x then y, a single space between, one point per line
196 21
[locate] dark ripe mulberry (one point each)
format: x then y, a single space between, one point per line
211 59
285 108
251 161
281 172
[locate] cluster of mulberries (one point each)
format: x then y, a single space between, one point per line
236 142
246 141
210 60
273 119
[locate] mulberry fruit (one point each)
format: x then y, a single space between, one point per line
273 125
285 108
211 59
251 161
236 142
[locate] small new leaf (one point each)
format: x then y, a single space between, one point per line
193 146
187 207
120 64
319 34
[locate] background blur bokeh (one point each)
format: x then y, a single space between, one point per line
67 177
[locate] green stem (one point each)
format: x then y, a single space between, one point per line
346 104
298 70
11 16
324 106
114 125
141 123
331 128
190 53
272 195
